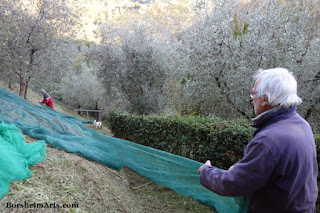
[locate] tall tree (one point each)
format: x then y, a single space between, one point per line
30 27
225 49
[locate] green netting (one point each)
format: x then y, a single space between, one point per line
16 156
70 134
87 122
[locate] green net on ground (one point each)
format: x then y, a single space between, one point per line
70 134
16 156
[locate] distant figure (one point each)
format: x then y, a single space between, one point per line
47 99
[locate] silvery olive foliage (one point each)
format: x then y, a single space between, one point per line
59 59
207 68
28 30
87 93
212 62
204 67
136 70
224 50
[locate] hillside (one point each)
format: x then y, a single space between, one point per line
169 16
65 178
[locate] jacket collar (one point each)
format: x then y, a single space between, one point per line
268 117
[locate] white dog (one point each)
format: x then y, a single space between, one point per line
97 124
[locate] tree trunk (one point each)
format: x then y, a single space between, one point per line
315 101
22 85
79 107
10 84
26 88
308 113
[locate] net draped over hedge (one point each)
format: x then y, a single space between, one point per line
70 134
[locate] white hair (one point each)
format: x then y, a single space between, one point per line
43 91
280 85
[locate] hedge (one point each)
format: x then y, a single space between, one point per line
197 138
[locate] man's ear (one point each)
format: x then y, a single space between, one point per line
265 100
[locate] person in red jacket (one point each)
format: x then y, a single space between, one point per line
47 99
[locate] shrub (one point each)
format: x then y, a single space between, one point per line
197 138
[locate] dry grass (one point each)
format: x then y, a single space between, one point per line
65 178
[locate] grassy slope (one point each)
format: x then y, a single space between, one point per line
65 178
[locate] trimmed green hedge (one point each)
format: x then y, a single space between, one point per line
197 138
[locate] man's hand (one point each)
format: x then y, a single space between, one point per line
201 167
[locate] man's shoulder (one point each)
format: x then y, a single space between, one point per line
291 132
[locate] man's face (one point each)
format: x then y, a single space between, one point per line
258 102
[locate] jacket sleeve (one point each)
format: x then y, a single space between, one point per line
249 174
46 100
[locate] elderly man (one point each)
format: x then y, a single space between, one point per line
47 98
278 171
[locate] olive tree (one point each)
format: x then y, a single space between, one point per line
31 27
224 49
82 90
214 64
136 67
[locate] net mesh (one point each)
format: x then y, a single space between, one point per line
70 134
16 156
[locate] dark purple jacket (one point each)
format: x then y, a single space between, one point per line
279 169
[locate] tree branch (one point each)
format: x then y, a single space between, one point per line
311 80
